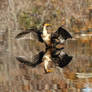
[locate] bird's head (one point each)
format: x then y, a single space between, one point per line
47 27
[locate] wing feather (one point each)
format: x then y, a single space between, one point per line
33 31
64 33
60 36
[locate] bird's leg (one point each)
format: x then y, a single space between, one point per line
49 70
46 63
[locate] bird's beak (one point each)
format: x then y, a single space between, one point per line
47 25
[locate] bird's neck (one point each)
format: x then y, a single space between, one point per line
44 30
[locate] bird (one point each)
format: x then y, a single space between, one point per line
53 52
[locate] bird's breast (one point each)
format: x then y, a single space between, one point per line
46 37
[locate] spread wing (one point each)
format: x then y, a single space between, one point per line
60 35
34 62
36 34
60 58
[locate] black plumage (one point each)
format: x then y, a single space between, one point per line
60 36
61 32
31 30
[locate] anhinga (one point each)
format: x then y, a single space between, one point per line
53 52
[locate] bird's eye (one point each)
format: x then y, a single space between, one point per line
48 27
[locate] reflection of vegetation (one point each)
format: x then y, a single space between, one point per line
37 76
70 75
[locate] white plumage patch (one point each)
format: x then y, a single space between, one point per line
45 35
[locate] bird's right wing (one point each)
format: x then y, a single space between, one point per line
62 32
37 59
35 34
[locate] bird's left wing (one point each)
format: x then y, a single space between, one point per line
37 59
